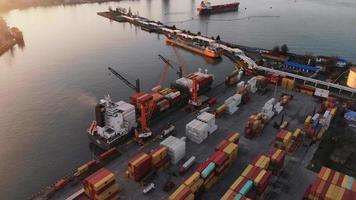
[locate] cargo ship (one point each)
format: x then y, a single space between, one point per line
206 8
190 42
115 122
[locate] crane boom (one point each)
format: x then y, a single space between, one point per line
179 72
135 87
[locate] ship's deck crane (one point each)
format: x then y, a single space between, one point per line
135 87
145 103
168 63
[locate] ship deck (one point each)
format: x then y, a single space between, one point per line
290 185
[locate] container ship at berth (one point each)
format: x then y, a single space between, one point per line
206 8
115 122
194 44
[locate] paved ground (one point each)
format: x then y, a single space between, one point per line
290 185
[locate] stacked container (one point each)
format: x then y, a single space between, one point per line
252 84
283 140
261 161
232 103
176 148
204 81
260 177
252 182
267 109
139 166
209 119
277 157
208 173
197 131
182 193
255 125
101 185
128 113
160 158
332 185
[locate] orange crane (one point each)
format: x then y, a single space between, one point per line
144 103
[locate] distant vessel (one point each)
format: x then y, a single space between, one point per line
115 122
191 43
206 7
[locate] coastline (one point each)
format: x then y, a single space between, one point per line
7 7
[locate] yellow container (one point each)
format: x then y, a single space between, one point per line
276 154
228 195
197 184
326 174
231 150
259 177
345 181
265 163
103 182
340 194
159 155
246 171
82 169
192 179
332 192
109 191
234 137
307 120
176 192
236 183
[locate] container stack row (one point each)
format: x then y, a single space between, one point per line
143 163
209 172
253 181
101 186
331 185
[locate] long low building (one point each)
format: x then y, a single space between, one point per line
300 67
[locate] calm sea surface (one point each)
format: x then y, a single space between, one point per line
49 87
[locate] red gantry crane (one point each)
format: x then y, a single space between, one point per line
144 104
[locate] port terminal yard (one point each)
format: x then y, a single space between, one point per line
295 176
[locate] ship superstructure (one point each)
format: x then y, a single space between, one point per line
114 121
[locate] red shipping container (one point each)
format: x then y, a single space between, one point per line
219 158
92 163
203 166
264 182
222 145
107 154
134 97
162 163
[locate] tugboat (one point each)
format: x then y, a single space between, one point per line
206 8
114 123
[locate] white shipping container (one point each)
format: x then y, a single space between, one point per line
176 148
237 98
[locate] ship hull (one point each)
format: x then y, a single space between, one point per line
207 53
101 143
219 9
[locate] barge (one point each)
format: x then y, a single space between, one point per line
206 8
187 42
